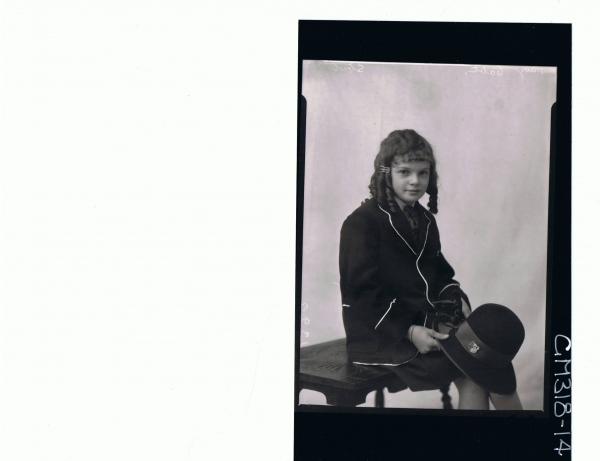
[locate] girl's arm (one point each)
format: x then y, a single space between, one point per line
449 288
367 311
446 287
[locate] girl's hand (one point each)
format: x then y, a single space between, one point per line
425 339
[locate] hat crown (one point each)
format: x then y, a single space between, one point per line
498 327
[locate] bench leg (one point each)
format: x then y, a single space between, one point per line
379 400
446 399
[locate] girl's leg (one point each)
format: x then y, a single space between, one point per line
506 402
470 395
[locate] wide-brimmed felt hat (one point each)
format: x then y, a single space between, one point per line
484 345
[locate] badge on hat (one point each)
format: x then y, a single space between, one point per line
473 347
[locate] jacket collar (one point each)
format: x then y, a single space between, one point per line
401 227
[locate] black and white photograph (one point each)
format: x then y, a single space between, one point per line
425 235
309 231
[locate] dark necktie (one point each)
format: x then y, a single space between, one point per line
413 220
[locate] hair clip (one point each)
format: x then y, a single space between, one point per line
384 169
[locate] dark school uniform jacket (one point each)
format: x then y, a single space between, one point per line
387 280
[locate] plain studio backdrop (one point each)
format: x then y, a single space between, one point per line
489 127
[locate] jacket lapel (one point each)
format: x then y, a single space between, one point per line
401 227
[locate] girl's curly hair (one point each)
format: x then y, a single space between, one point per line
410 146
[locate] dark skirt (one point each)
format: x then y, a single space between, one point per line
425 372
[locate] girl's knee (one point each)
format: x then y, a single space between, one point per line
471 396
466 384
459 382
462 382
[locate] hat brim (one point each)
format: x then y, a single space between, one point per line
497 380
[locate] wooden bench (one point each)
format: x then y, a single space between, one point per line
325 368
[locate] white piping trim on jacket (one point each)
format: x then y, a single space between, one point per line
386 313
417 262
345 305
396 230
424 280
449 285
411 249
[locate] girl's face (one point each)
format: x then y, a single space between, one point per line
410 179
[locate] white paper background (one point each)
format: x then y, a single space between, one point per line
147 190
489 127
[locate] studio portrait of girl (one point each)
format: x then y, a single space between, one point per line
399 294
424 239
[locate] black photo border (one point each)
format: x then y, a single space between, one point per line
336 433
